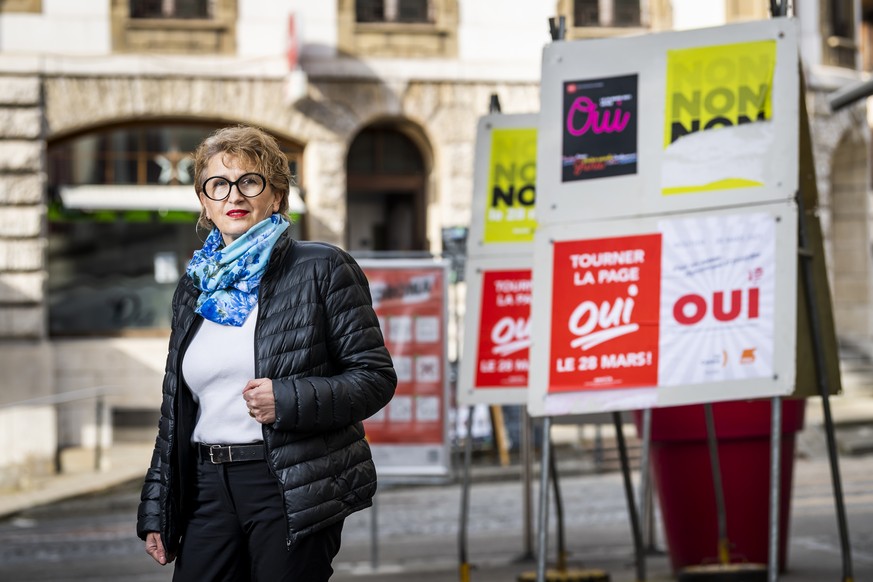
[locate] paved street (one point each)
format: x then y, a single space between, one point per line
92 538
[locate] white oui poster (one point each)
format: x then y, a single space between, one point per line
718 282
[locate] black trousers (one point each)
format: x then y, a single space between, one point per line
237 531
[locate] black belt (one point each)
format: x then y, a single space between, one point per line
217 454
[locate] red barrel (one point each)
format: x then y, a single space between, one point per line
683 479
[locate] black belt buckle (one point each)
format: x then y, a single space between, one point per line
212 451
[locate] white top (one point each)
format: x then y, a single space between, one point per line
217 365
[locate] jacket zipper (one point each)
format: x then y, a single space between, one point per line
258 374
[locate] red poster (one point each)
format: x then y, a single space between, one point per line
605 312
504 330
410 303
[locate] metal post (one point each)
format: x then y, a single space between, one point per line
527 477
558 28
778 8
374 534
98 432
646 482
464 569
775 476
543 517
724 552
629 495
561 565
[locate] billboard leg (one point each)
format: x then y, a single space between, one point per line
629 495
646 506
724 551
561 565
543 517
374 534
464 569
526 462
775 466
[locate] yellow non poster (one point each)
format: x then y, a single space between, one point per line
511 195
718 125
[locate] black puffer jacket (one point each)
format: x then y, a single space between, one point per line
318 339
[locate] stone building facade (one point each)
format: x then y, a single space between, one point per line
422 85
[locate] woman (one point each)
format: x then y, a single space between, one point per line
275 358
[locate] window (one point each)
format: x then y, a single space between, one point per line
604 18
121 223
412 11
586 13
626 13
392 11
838 32
369 10
174 26
398 28
386 184
129 155
170 9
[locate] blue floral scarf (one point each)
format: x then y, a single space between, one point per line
229 277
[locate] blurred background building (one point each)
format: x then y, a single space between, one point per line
375 103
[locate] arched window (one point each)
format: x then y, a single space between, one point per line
386 187
122 214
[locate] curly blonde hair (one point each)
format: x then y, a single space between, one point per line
256 149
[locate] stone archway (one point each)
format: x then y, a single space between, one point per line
850 239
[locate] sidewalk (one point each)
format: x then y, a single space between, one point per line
125 463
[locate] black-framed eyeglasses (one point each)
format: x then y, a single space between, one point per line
249 185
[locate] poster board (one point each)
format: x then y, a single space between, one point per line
500 254
664 311
410 437
504 185
494 366
668 122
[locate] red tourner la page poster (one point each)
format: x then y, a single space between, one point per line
503 354
606 300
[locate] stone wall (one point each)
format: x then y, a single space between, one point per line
22 212
28 421
841 150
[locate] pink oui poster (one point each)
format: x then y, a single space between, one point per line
600 128
504 330
605 307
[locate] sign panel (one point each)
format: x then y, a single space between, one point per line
494 365
668 122
600 133
410 436
664 311
504 185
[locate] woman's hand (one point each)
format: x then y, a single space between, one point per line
155 548
259 398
